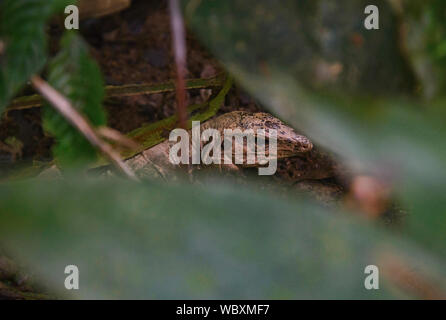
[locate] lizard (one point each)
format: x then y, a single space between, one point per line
145 137
297 157
152 157
155 161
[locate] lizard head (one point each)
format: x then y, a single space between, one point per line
289 142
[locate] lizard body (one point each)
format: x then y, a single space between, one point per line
155 160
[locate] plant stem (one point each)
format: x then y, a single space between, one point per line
64 107
179 48
35 101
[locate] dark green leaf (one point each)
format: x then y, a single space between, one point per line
22 29
73 73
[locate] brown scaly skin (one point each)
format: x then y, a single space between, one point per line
289 143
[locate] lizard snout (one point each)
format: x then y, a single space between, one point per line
302 144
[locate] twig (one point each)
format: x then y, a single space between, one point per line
61 104
117 137
179 47
35 101
409 278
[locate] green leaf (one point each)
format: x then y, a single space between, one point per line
22 29
143 241
425 31
73 73
315 65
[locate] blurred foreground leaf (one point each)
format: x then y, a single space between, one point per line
155 241
74 74
315 65
22 31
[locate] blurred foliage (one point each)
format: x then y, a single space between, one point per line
370 125
133 240
73 73
321 43
359 93
22 31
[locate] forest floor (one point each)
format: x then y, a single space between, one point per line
131 47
